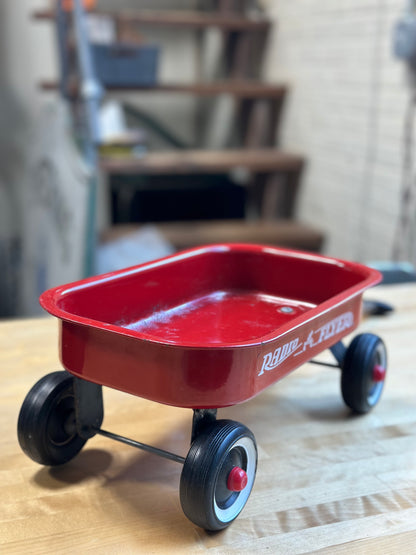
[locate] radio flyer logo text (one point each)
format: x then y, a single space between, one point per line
315 337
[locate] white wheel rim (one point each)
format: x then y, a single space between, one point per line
230 513
376 389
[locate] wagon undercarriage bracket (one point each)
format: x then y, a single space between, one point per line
202 418
339 350
89 414
89 407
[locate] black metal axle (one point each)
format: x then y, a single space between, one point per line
89 413
142 446
338 351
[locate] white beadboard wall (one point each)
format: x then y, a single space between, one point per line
345 112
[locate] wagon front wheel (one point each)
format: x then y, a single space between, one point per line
218 474
363 372
46 427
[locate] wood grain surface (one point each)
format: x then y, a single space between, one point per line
183 235
239 88
266 160
327 482
178 18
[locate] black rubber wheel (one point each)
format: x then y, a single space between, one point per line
46 427
204 493
361 388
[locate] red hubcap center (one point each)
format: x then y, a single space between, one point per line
237 479
379 373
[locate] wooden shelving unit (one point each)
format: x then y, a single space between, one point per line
238 88
206 161
285 233
274 176
177 18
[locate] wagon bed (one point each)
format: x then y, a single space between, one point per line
208 327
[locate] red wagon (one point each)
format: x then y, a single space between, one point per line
204 329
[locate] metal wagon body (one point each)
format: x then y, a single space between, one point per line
204 329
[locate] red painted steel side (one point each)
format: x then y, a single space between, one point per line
210 327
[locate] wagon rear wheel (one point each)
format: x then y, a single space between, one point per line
46 427
218 474
363 372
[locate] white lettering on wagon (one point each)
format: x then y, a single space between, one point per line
295 347
273 359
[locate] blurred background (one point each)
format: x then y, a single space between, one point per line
130 129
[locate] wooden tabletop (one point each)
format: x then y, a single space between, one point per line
327 482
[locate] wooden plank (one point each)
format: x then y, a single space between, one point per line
237 87
237 52
178 19
284 233
326 482
279 194
257 121
206 161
